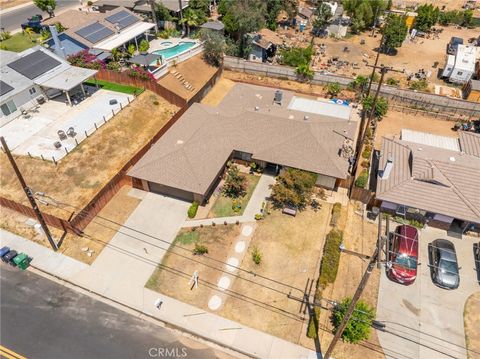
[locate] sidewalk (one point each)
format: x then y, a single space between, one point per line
121 277
259 195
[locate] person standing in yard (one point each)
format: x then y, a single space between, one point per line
158 303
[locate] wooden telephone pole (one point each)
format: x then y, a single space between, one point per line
29 194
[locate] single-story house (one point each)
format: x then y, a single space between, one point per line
303 17
338 25
471 91
140 6
432 179
274 129
102 33
33 76
460 67
264 45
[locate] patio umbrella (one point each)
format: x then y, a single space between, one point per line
145 59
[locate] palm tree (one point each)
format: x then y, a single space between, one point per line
29 31
190 18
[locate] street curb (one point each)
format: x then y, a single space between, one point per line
159 322
18 7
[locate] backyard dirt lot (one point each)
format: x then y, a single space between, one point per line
411 57
85 170
395 121
472 325
195 71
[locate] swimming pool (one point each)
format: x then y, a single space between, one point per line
175 50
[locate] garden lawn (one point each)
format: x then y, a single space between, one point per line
223 205
115 87
19 42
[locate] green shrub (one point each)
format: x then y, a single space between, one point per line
358 327
366 154
336 210
296 56
200 249
192 210
365 164
392 81
420 85
362 180
256 256
333 89
258 216
330 258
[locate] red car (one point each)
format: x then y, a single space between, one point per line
403 258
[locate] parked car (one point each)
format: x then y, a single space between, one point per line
452 46
8 258
476 259
403 256
443 264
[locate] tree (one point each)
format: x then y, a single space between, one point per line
201 8
427 16
323 14
395 32
296 56
213 46
333 89
244 16
304 71
273 9
47 6
190 18
131 49
143 46
293 188
235 183
381 107
359 83
364 12
162 13
358 327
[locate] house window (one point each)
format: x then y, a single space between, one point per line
459 73
8 108
32 91
401 210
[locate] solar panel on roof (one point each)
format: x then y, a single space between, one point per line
34 64
94 32
122 19
4 88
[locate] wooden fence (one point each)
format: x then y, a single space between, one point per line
123 78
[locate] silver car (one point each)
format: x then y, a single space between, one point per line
443 264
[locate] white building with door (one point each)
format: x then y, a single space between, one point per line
460 67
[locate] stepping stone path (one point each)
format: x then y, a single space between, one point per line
232 264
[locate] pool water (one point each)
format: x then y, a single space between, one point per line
175 50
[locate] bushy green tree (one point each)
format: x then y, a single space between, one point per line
427 16
323 13
381 107
395 31
333 89
362 12
143 46
304 72
47 6
294 188
235 183
296 56
162 13
359 83
213 46
191 19
358 327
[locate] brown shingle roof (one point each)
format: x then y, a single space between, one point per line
432 179
470 143
194 150
74 18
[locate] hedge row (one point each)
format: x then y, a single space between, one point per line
192 210
336 210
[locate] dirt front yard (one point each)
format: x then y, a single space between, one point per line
472 325
85 170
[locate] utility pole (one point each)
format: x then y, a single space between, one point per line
29 194
154 15
351 308
375 65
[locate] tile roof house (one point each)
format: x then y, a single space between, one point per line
188 160
437 184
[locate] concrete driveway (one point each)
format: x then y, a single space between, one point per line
133 254
422 320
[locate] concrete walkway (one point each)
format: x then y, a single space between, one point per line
260 194
122 269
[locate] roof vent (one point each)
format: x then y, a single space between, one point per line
278 97
452 159
257 108
180 142
387 170
305 118
291 117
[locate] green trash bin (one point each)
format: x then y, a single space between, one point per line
22 261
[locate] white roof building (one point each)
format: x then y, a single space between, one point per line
461 66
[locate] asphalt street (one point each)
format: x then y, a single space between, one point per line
13 19
43 319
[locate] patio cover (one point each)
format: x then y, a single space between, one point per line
121 38
68 79
145 59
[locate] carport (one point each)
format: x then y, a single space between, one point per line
68 80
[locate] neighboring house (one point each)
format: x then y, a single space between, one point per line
264 45
338 25
433 179
471 91
461 66
275 129
140 6
303 17
213 25
33 76
102 33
